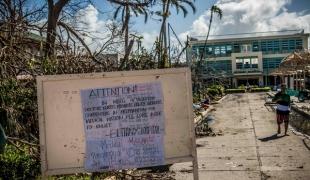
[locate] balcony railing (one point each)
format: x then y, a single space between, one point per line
248 71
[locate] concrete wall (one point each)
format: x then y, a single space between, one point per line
305 40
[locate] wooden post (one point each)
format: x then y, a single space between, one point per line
195 166
275 80
294 84
304 79
193 133
298 81
299 78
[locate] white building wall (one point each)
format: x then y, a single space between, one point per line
305 41
291 85
276 55
259 55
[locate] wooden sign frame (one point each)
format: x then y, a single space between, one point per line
62 141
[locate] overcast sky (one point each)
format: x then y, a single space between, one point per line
239 16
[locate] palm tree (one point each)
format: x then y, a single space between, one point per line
127 7
219 12
166 4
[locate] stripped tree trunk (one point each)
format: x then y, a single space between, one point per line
53 16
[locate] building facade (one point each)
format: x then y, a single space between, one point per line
246 58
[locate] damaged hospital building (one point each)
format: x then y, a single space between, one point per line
245 58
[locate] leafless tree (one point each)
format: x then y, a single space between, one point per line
54 10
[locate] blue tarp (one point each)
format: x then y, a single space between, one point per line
292 92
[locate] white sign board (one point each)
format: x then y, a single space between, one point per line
144 117
124 126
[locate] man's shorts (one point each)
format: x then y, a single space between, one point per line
282 116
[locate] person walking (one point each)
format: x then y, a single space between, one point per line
283 108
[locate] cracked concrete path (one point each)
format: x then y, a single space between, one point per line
248 148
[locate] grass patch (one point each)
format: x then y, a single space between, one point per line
264 89
18 163
229 91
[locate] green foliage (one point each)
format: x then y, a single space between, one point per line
213 92
196 98
83 176
18 107
229 91
140 60
18 163
219 88
2 140
264 89
241 87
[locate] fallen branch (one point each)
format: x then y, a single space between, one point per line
22 141
36 155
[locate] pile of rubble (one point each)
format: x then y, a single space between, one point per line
202 127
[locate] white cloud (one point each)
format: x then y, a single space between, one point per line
149 39
241 16
89 16
96 30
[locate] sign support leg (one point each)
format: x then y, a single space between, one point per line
195 168
195 160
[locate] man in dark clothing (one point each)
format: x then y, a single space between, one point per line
283 108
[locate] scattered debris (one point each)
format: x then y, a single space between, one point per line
220 133
202 127
186 170
226 158
231 164
306 143
264 176
299 121
110 178
199 145
147 174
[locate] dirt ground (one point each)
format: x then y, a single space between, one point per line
247 147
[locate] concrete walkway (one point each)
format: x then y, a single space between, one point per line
248 148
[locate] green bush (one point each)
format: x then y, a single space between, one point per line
20 164
213 92
241 87
15 164
2 139
196 98
228 91
18 108
219 88
264 89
